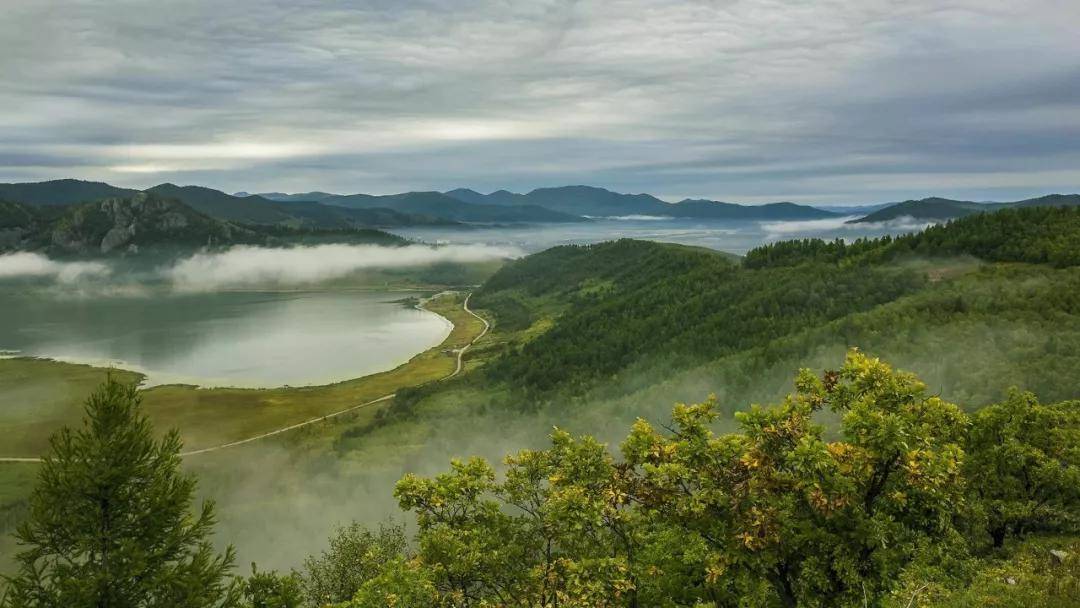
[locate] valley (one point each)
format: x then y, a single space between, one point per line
590 337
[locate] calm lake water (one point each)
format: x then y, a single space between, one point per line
245 339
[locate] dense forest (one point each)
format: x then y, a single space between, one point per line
623 303
1035 235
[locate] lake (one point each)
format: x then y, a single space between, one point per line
243 339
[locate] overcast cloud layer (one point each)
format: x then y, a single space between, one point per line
830 101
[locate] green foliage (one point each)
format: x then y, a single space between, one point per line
1025 576
1036 235
775 515
109 521
1024 465
355 556
824 523
403 583
683 304
272 590
664 308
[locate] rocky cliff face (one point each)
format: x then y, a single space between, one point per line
120 225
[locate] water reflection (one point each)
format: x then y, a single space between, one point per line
248 339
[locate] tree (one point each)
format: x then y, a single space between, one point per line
557 531
403 583
1024 464
355 556
268 589
790 517
109 521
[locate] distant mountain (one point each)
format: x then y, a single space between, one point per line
852 209
302 196
293 211
598 202
942 209
587 200
146 222
249 209
1050 200
437 204
706 209
321 215
60 192
467 195
930 209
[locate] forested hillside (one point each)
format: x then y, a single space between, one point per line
627 308
1035 235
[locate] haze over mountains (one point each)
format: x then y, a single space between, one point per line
319 210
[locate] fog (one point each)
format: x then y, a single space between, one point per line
279 501
251 266
37 266
237 267
838 226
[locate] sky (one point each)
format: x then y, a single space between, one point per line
830 101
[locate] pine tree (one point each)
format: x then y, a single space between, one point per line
110 522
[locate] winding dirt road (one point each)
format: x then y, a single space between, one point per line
457 370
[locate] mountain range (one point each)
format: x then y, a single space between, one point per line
214 203
566 204
433 204
598 202
145 222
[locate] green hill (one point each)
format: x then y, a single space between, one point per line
933 209
1036 234
941 209
619 306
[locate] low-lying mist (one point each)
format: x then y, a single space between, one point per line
840 227
29 265
236 267
252 266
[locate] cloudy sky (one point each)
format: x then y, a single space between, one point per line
838 101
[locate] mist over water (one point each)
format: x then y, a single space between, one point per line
184 321
731 236
247 266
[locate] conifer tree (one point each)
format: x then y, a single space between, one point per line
110 522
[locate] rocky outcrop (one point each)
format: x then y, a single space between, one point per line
123 225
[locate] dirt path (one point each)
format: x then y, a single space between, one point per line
460 366
461 351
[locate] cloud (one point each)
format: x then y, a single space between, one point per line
756 100
246 266
633 218
34 265
836 226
